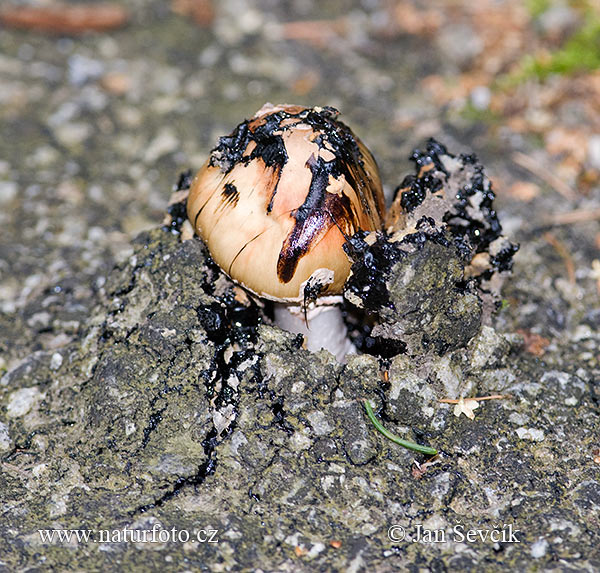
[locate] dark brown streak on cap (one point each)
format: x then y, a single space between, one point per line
342 214
271 186
350 154
229 196
314 218
358 179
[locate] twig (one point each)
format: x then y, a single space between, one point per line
478 398
65 18
563 253
544 174
576 216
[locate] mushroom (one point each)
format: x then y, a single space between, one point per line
276 201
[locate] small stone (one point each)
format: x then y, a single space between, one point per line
557 20
300 441
487 348
82 69
164 143
222 419
56 361
481 97
531 434
317 548
43 156
5 441
72 134
319 424
539 548
38 470
460 43
21 401
116 83
593 151
8 191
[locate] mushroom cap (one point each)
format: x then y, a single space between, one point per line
278 198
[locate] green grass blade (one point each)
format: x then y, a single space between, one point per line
404 443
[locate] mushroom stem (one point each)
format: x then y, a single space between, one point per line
323 327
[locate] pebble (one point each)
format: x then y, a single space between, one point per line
460 44
164 143
56 361
319 424
116 83
43 156
83 69
72 134
8 191
558 19
21 401
531 434
481 97
539 548
5 441
593 151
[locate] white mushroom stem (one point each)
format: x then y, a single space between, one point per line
322 327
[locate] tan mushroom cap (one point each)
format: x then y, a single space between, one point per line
279 197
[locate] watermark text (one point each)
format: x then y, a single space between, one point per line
157 534
459 533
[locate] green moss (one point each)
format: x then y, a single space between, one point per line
581 52
471 113
537 7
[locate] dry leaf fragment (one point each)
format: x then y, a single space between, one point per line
570 142
534 343
187 231
318 33
466 407
241 296
201 11
305 82
419 470
524 190
412 20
